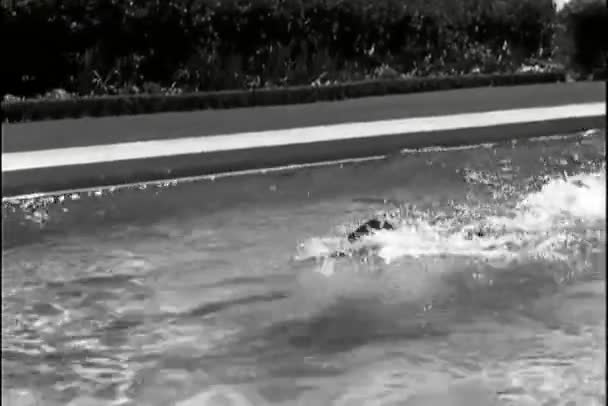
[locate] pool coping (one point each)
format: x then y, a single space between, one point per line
43 163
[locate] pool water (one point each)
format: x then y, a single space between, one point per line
222 291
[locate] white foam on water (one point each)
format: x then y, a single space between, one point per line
581 196
542 226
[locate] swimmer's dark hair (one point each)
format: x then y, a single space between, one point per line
368 228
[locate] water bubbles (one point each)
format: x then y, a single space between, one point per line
575 157
45 201
479 177
39 216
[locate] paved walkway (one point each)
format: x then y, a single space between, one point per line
54 155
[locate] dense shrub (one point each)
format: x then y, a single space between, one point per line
134 46
582 36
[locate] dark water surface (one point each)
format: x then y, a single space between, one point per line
218 291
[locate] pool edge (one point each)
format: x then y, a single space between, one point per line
97 175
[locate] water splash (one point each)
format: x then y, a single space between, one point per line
545 224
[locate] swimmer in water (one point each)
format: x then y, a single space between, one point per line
366 229
383 223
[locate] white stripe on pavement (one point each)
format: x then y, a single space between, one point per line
15 161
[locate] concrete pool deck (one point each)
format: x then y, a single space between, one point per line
64 154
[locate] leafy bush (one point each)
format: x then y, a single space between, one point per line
581 36
115 47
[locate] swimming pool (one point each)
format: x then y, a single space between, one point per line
220 290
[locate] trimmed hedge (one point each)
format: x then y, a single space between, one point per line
43 109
